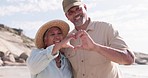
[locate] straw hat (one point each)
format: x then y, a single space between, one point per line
40 33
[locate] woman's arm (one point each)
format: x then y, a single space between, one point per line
39 59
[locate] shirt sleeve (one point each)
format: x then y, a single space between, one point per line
39 59
115 40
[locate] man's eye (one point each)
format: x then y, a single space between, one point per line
70 13
77 9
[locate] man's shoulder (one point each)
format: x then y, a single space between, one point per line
100 24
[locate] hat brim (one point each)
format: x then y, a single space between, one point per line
72 5
40 33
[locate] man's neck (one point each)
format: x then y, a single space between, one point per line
84 26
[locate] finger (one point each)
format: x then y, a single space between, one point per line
79 34
71 36
70 46
77 47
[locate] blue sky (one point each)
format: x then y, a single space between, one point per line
128 16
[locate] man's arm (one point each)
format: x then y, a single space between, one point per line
112 54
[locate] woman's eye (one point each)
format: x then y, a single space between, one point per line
52 34
59 33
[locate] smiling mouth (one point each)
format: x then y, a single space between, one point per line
58 41
77 17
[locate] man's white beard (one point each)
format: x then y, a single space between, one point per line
80 22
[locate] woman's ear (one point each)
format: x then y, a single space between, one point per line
45 41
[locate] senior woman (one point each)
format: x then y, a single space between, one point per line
47 61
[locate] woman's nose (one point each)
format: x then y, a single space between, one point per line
57 36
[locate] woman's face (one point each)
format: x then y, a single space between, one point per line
52 36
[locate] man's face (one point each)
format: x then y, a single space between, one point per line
77 15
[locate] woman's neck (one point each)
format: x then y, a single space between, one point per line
58 61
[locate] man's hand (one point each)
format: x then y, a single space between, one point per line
87 42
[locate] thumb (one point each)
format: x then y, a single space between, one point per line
69 45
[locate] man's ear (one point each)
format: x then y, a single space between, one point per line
85 6
66 16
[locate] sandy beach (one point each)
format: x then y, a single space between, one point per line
14 72
133 71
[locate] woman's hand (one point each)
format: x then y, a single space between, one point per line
63 44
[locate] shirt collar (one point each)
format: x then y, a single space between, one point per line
90 26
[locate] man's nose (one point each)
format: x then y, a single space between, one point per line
75 13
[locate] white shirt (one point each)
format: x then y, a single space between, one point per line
42 64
